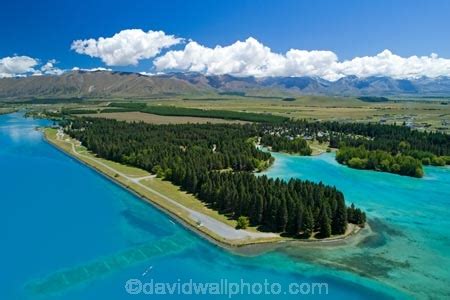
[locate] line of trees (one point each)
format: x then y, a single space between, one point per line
195 112
216 163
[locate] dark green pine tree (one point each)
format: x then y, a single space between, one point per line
256 211
308 223
194 183
299 220
350 211
339 224
272 218
282 216
324 223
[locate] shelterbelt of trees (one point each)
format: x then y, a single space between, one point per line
181 111
216 163
388 148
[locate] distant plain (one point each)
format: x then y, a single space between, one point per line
428 114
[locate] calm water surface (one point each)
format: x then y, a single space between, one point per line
69 233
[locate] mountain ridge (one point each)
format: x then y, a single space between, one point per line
110 84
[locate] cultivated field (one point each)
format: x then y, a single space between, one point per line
156 119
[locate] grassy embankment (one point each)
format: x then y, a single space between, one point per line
5 110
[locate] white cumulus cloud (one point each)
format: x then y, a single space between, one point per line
92 69
241 58
388 64
50 69
17 66
252 58
22 66
127 47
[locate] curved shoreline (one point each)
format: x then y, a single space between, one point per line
242 245
350 240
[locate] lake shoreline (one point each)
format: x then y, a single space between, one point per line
240 246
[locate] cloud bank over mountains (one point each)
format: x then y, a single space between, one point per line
241 58
252 58
21 66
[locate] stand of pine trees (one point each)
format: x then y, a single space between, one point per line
290 145
215 162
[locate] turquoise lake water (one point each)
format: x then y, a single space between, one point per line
69 233
410 217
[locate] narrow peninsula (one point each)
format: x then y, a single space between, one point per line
203 174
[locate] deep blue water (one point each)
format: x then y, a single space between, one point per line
61 223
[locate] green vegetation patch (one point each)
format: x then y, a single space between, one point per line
135 106
296 145
373 99
378 160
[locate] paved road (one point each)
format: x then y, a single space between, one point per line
219 228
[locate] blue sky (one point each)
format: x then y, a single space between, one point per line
45 30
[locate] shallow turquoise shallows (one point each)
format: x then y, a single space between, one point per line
69 233
410 249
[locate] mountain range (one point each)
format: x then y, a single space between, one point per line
106 84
